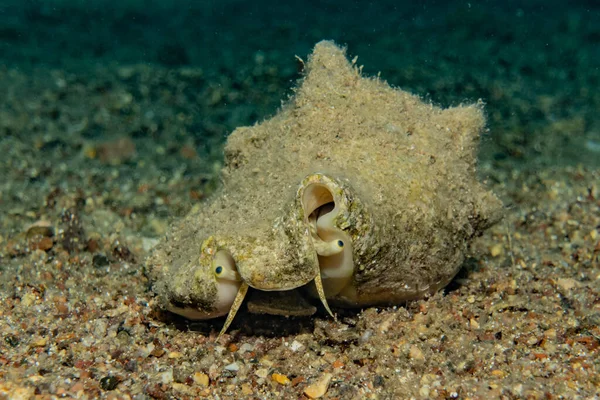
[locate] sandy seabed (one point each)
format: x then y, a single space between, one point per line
95 162
94 171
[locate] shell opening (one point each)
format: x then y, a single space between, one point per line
333 245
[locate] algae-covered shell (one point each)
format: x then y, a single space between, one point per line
358 190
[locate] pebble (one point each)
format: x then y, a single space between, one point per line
281 379
550 333
296 345
157 352
100 260
234 366
262 372
232 347
496 250
200 379
41 342
28 299
567 283
166 377
43 244
366 336
245 348
416 354
385 325
498 373
297 380
246 389
182 388
319 388
12 340
99 327
109 382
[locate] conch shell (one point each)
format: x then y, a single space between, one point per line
357 192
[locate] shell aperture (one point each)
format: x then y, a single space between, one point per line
333 245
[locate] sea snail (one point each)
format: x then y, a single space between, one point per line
355 192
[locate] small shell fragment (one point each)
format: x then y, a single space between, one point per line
319 388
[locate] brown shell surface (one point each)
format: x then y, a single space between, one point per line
410 167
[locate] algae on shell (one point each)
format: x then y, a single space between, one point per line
407 172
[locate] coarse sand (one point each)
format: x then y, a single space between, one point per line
95 166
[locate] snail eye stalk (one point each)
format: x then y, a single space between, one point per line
224 267
229 285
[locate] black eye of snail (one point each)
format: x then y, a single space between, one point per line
218 270
340 243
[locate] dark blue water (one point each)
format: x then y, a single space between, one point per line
536 63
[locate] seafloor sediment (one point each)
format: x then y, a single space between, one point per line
93 171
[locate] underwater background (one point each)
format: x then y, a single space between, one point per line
113 117
534 63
